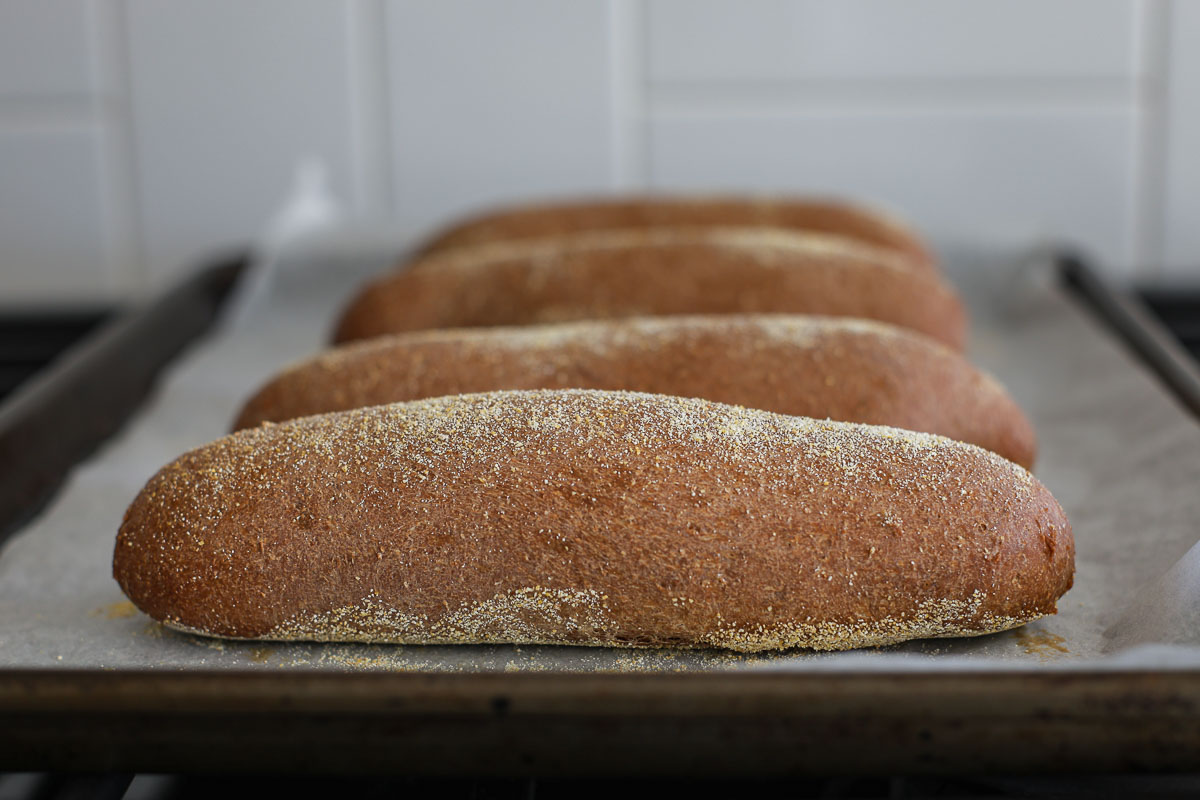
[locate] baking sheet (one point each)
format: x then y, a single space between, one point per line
1121 455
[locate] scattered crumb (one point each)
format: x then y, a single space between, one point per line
1041 643
121 610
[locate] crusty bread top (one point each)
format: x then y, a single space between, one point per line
594 518
626 273
851 221
837 367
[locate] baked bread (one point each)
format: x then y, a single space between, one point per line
592 518
844 369
667 211
655 273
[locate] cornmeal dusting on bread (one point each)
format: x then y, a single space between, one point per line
558 617
701 213
796 329
644 333
592 517
545 253
627 273
825 367
937 618
519 617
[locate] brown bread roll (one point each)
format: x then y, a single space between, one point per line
802 214
844 369
593 518
654 273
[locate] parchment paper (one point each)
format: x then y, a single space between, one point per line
1119 453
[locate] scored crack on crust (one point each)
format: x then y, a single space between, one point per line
590 517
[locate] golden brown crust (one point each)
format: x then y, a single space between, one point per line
843 369
600 518
655 273
666 211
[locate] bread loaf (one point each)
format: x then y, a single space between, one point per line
592 518
844 369
803 214
654 273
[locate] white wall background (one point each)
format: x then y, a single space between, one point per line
137 135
